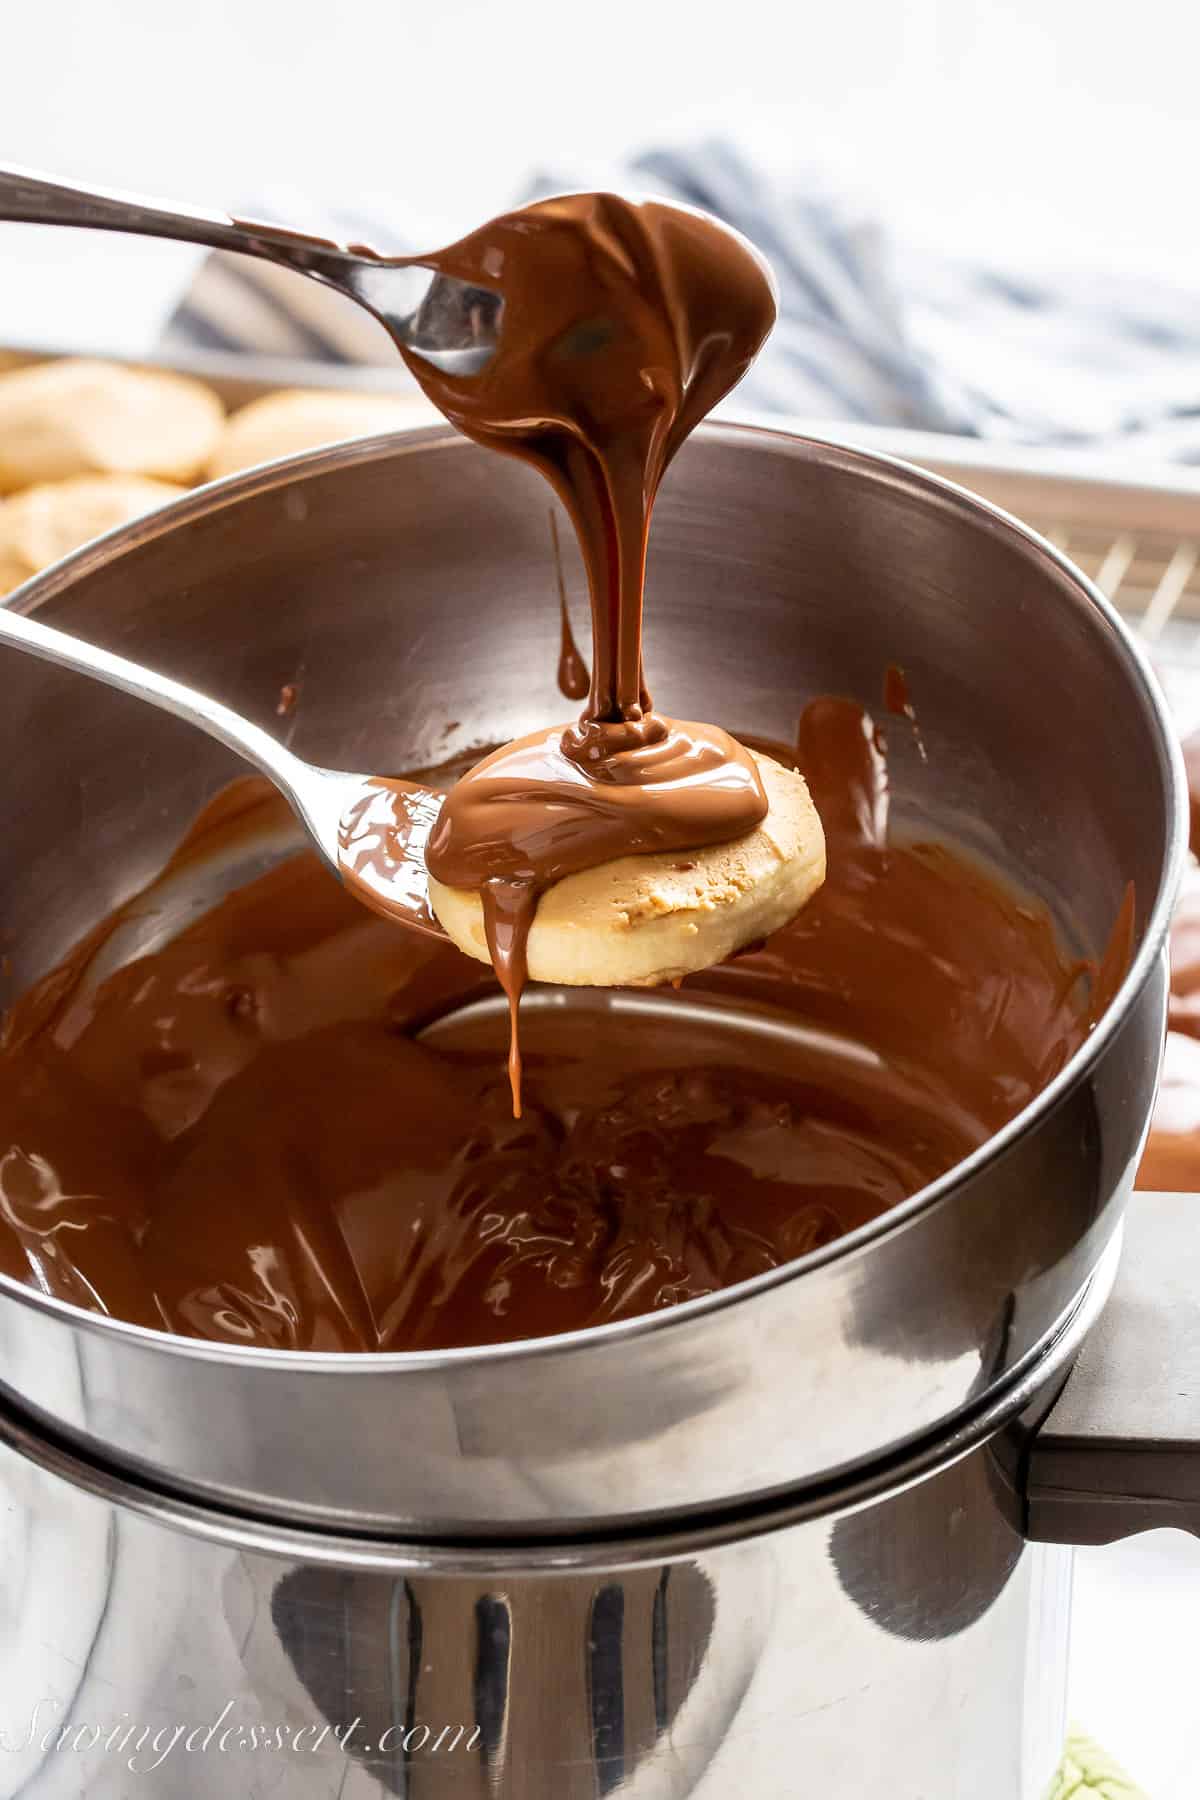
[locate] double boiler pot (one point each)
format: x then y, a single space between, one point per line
802 1537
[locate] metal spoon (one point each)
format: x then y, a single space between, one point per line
452 324
343 814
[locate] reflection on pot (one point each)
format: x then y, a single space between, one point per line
506 1679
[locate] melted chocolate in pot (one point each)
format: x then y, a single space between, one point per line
281 1129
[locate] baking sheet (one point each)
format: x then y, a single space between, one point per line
1135 529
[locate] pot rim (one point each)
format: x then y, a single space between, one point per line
216 495
1022 1396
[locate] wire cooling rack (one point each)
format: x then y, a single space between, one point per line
1142 553
1135 530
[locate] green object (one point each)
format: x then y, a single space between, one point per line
1088 1773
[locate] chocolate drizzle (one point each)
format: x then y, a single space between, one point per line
623 324
1171 1160
573 677
1191 763
290 1127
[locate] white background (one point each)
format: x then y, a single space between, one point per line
1031 131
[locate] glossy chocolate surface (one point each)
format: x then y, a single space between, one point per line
281 1129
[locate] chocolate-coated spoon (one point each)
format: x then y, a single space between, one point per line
351 819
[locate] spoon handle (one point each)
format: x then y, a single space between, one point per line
248 740
29 198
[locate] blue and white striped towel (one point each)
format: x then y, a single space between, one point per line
869 330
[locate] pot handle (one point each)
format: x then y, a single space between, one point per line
1119 1451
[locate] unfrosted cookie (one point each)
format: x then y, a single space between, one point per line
297 419
78 417
49 521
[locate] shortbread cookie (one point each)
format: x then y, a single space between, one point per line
49 521
297 419
77 417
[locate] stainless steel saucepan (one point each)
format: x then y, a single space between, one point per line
775 1541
